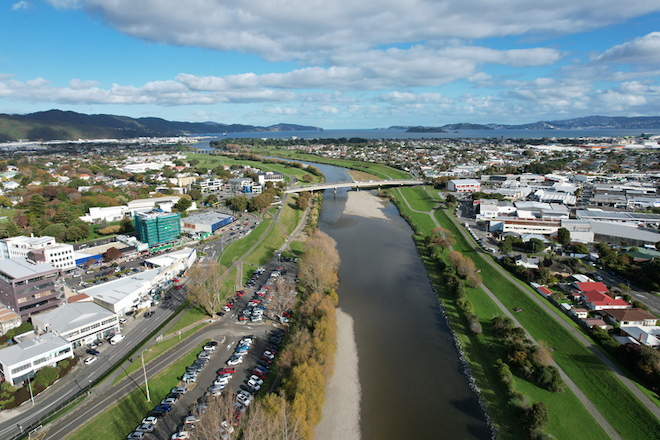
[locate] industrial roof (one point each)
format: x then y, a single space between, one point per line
115 291
170 258
207 218
17 268
72 316
624 231
616 215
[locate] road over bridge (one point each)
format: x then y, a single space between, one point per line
356 184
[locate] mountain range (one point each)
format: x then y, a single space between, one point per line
585 123
68 125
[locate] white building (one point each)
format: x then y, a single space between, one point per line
464 185
270 176
59 255
209 185
23 359
79 323
120 296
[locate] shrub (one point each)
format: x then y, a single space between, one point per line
114 229
8 387
46 376
475 327
538 416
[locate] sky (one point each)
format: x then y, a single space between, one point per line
335 64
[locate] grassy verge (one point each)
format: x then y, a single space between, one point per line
120 420
158 349
621 408
262 254
291 215
482 351
191 315
238 248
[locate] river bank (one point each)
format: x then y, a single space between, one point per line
341 411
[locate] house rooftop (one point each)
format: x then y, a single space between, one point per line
630 314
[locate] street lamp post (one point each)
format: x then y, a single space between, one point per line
30 386
144 370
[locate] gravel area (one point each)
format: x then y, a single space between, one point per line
341 412
364 204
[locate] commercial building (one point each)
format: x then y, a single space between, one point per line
27 286
20 361
524 226
623 234
207 222
209 185
464 185
157 227
8 320
79 323
269 176
241 184
121 295
59 255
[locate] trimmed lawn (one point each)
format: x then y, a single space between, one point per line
262 254
156 350
191 315
122 418
297 246
418 198
238 248
621 408
291 215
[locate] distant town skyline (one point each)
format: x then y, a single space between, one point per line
334 64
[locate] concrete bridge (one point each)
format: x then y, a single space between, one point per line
357 184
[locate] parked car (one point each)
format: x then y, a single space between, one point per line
92 352
168 401
117 339
166 408
145 427
181 435
179 287
135 435
158 413
90 360
179 390
150 419
226 371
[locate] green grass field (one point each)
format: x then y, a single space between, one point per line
238 248
291 215
622 409
120 420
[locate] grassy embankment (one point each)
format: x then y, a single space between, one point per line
379 170
621 408
212 161
157 349
565 410
120 419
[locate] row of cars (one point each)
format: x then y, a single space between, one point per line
148 424
259 373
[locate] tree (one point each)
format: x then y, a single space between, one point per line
538 416
238 203
451 199
580 248
284 296
307 178
195 194
37 205
205 286
112 254
319 263
536 245
183 204
563 236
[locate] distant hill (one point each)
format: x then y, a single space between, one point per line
585 123
63 125
425 130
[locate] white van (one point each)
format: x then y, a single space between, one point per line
116 339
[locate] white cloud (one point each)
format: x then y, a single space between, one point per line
298 29
20 5
277 111
642 50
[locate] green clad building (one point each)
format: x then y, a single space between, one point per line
157 227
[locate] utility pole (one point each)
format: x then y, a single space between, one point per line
144 370
30 386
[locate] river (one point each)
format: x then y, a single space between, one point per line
411 380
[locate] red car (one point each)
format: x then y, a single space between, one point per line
260 374
178 287
246 223
242 318
226 371
176 280
240 293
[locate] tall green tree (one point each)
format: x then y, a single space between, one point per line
37 205
563 236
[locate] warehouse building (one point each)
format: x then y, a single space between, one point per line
464 185
207 222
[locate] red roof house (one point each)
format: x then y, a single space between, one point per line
598 301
